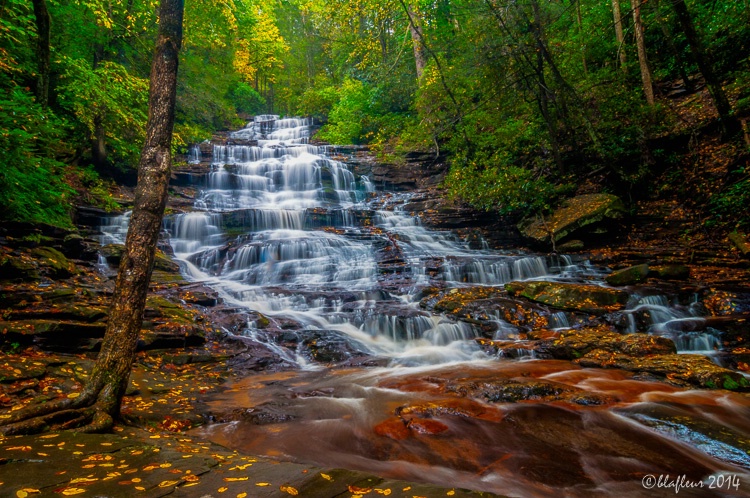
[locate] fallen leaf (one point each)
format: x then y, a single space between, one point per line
326 477
73 491
288 489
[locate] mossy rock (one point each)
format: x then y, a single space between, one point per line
574 344
670 272
583 214
54 263
691 369
573 297
113 253
629 276
14 268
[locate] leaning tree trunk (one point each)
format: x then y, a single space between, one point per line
729 123
102 395
42 18
640 43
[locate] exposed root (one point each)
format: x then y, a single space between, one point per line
82 414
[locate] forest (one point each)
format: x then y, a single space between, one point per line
522 99
328 248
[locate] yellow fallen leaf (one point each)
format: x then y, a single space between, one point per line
384 492
73 491
73 395
289 489
233 479
140 488
262 484
242 495
190 484
166 484
326 477
136 479
83 479
21 493
241 467
165 465
222 489
450 493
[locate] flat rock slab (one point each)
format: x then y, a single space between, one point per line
142 464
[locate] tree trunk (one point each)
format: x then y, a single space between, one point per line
579 20
640 43
102 395
729 123
619 35
675 52
420 59
41 15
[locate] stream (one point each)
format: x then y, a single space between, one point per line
334 269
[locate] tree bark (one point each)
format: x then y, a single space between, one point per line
619 35
420 60
640 43
100 400
729 123
42 17
112 369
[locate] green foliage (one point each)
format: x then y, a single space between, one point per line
729 206
31 180
318 102
355 117
246 99
506 189
110 95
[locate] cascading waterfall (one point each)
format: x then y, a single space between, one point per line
281 228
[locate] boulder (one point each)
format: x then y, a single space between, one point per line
574 297
113 252
580 216
629 276
573 344
691 369
670 272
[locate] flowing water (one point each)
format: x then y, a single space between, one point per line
281 228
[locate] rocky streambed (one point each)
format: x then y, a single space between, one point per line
302 313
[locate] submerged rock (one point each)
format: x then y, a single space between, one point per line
576 297
580 216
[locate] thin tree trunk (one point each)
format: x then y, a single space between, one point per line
670 43
420 60
640 43
619 35
729 123
42 17
580 33
112 370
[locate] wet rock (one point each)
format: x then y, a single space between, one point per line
329 346
582 215
580 297
113 252
571 245
15 268
670 272
682 368
629 276
393 428
572 344
739 240
16 369
77 247
53 263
